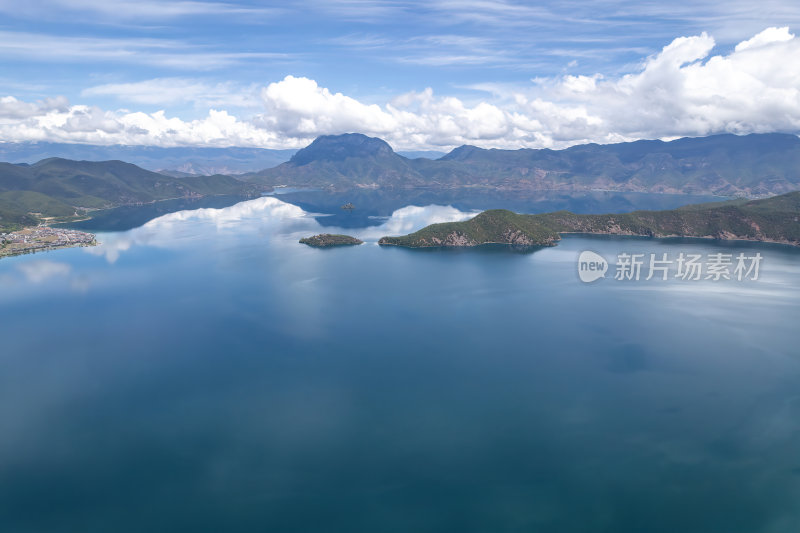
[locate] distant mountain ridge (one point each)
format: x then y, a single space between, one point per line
725 165
755 165
173 161
183 160
56 187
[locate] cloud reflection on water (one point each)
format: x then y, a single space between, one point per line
267 216
42 270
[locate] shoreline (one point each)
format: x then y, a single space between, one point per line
790 244
36 239
705 238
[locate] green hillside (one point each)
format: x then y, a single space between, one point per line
61 188
494 226
774 219
35 202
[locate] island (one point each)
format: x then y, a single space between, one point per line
42 238
326 240
775 219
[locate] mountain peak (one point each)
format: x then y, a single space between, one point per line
340 147
462 152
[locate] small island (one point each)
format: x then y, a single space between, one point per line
775 219
326 240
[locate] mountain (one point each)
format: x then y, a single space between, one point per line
57 187
775 219
347 161
726 165
180 160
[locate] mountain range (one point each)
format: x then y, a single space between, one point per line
175 161
725 165
63 188
178 161
754 165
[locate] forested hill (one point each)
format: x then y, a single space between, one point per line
775 219
57 187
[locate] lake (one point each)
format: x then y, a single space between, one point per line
204 372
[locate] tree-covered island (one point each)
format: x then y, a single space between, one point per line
326 240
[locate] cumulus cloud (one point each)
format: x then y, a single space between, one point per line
768 36
11 108
299 107
683 90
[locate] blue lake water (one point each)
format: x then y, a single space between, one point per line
205 372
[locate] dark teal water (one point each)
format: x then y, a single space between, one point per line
204 372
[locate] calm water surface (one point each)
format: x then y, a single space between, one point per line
205 372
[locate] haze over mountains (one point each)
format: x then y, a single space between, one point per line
176 161
180 160
726 165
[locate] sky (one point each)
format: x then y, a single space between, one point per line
421 75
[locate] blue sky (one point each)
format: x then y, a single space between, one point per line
491 73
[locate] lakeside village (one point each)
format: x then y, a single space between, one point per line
41 238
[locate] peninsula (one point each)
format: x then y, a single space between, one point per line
326 240
775 219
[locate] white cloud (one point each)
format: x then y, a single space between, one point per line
11 108
682 90
300 108
768 36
